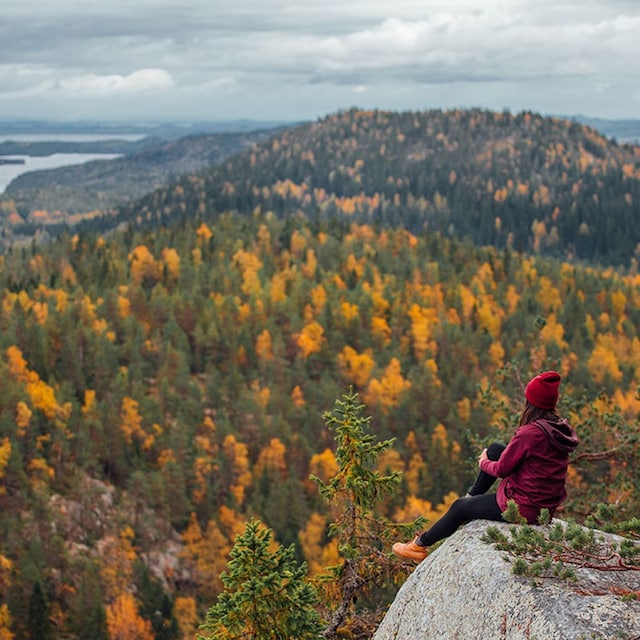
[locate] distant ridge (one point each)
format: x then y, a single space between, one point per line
624 130
522 181
158 129
627 130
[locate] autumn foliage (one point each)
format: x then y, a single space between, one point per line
161 386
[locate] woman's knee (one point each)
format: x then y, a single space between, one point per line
458 506
494 450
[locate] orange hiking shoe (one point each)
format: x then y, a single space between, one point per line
411 550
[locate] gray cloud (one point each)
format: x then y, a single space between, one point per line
275 58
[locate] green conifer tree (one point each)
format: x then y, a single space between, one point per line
353 493
87 615
154 604
267 595
38 622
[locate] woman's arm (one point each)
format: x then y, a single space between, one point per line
516 451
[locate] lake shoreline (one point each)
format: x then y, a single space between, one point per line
22 153
9 171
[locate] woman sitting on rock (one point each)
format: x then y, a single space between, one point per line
533 468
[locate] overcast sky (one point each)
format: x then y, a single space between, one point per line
303 59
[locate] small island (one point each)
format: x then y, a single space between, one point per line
11 161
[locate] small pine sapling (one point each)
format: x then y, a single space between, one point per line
363 538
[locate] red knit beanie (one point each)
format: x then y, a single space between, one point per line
542 391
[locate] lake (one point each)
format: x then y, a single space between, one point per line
10 171
33 163
69 137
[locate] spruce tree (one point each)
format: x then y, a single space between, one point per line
87 615
38 622
267 595
154 604
363 538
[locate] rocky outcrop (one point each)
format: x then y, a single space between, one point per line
465 590
91 519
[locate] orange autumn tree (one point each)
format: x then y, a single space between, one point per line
6 567
423 322
271 460
171 261
387 391
5 454
318 551
310 339
41 394
131 420
116 572
205 556
184 609
264 346
124 621
240 477
204 465
144 267
355 367
41 405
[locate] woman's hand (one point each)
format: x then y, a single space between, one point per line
483 457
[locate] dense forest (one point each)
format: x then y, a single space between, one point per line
525 182
163 384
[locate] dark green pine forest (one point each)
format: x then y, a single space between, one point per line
165 366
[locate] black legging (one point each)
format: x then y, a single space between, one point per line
478 505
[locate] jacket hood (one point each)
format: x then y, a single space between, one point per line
560 433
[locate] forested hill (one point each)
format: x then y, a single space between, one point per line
525 181
162 386
42 198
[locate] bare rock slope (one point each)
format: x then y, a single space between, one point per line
466 590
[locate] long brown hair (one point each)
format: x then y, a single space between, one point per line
531 413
